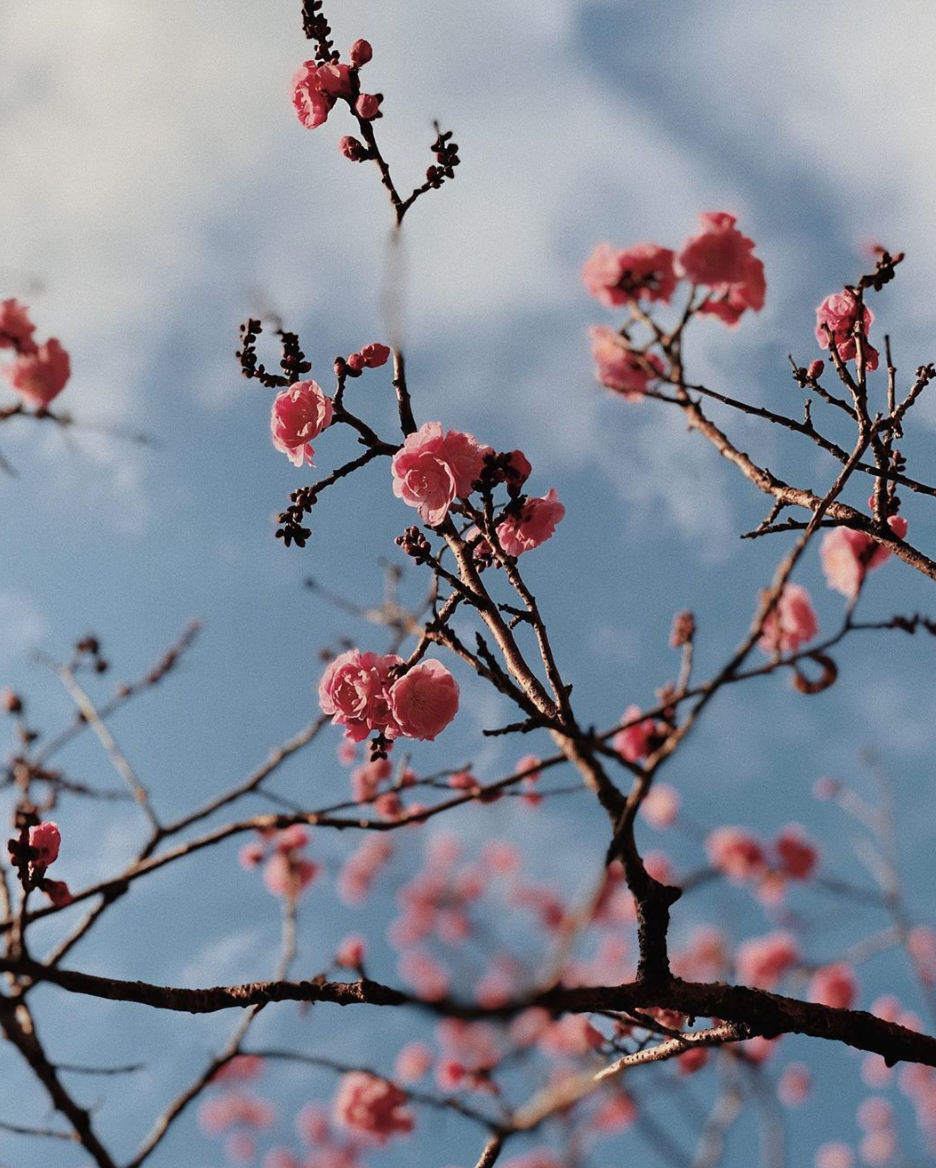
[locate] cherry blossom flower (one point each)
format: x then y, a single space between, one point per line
838 315
736 853
619 368
413 1062
633 742
794 1085
311 103
354 691
834 985
432 468
45 840
763 961
791 623
16 329
535 522
721 258
372 1107
642 272
661 805
40 374
424 700
797 857
848 555
300 413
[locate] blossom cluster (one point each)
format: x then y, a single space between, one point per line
41 851
38 373
286 872
370 693
317 87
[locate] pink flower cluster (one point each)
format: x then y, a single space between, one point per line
636 741
300 413
362 693
370 357
41 852
316 88
837 324
39 373
791 623
741 856
848 555
372 1107
619 367
286 873
718 258
765 961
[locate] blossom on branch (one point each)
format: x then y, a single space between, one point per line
300 413
792 622
642 272
40 374
848 555
372 1107
723 259
535 522
620 368
432 468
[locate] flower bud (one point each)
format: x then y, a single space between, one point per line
352 149
815 369
361 53
367 106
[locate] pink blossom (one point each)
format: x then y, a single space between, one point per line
350 952
572 1034
288 875
661 805
58 892
721 258
432 468
300 413
878 1147
372 1107
16 329
615 1114
797 857
41 374
312 1125
235 1109
692 1060
795 1084
875 1112
737 853
250 855
375 355
413 1061
366 779
704 957
847 555
362 868
354 691
838 315
791 623
834 1155
620 368
428 977
45 841
532 526
311 104
529 1026
634 742
424 700
334 79
642 272
355 151
834 985
361 53
763 961
367 106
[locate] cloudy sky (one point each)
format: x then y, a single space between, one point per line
156 189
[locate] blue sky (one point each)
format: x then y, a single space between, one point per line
157 189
